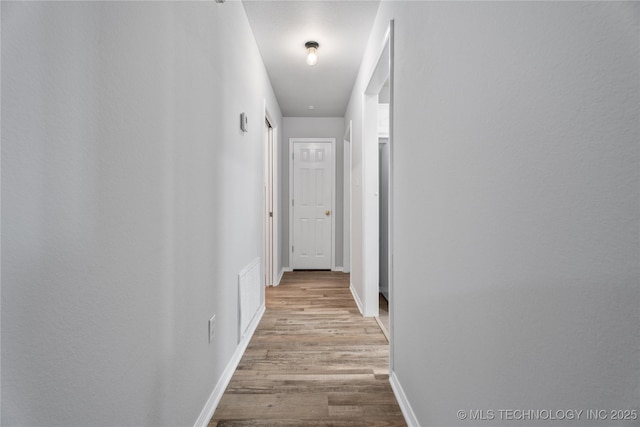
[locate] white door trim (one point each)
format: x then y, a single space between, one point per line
332 141
392 310
346 218
275 208
268 203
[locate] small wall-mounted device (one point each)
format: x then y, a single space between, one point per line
243 122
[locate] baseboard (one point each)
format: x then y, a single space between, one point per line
405 406
223 382
356 298
284 270
338 269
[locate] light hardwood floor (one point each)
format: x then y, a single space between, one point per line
313 361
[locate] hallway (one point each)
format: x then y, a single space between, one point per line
135 170
313 361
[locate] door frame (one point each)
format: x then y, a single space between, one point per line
332 141
382 72
346 206
271 244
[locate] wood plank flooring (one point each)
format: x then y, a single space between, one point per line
313 361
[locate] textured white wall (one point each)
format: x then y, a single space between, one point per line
130 201
515 206
312 127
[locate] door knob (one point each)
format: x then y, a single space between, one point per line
327 213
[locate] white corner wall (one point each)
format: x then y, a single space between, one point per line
130 201
516 236
313 127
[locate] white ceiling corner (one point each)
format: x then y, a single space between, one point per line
281 28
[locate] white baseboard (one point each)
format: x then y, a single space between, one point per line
338 269
284 270
356 298
223 382
405 406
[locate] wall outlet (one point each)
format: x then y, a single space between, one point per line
212 328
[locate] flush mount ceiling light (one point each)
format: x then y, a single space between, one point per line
312 52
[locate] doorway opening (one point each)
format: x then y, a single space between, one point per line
270 202
268 198
378 190
384 184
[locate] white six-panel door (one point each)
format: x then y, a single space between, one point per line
313 166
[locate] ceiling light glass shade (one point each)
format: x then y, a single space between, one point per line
312 52
312 56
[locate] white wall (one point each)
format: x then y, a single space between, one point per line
516 238
130 201
312 127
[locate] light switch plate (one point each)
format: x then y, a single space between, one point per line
243 122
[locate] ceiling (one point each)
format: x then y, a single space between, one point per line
281 28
